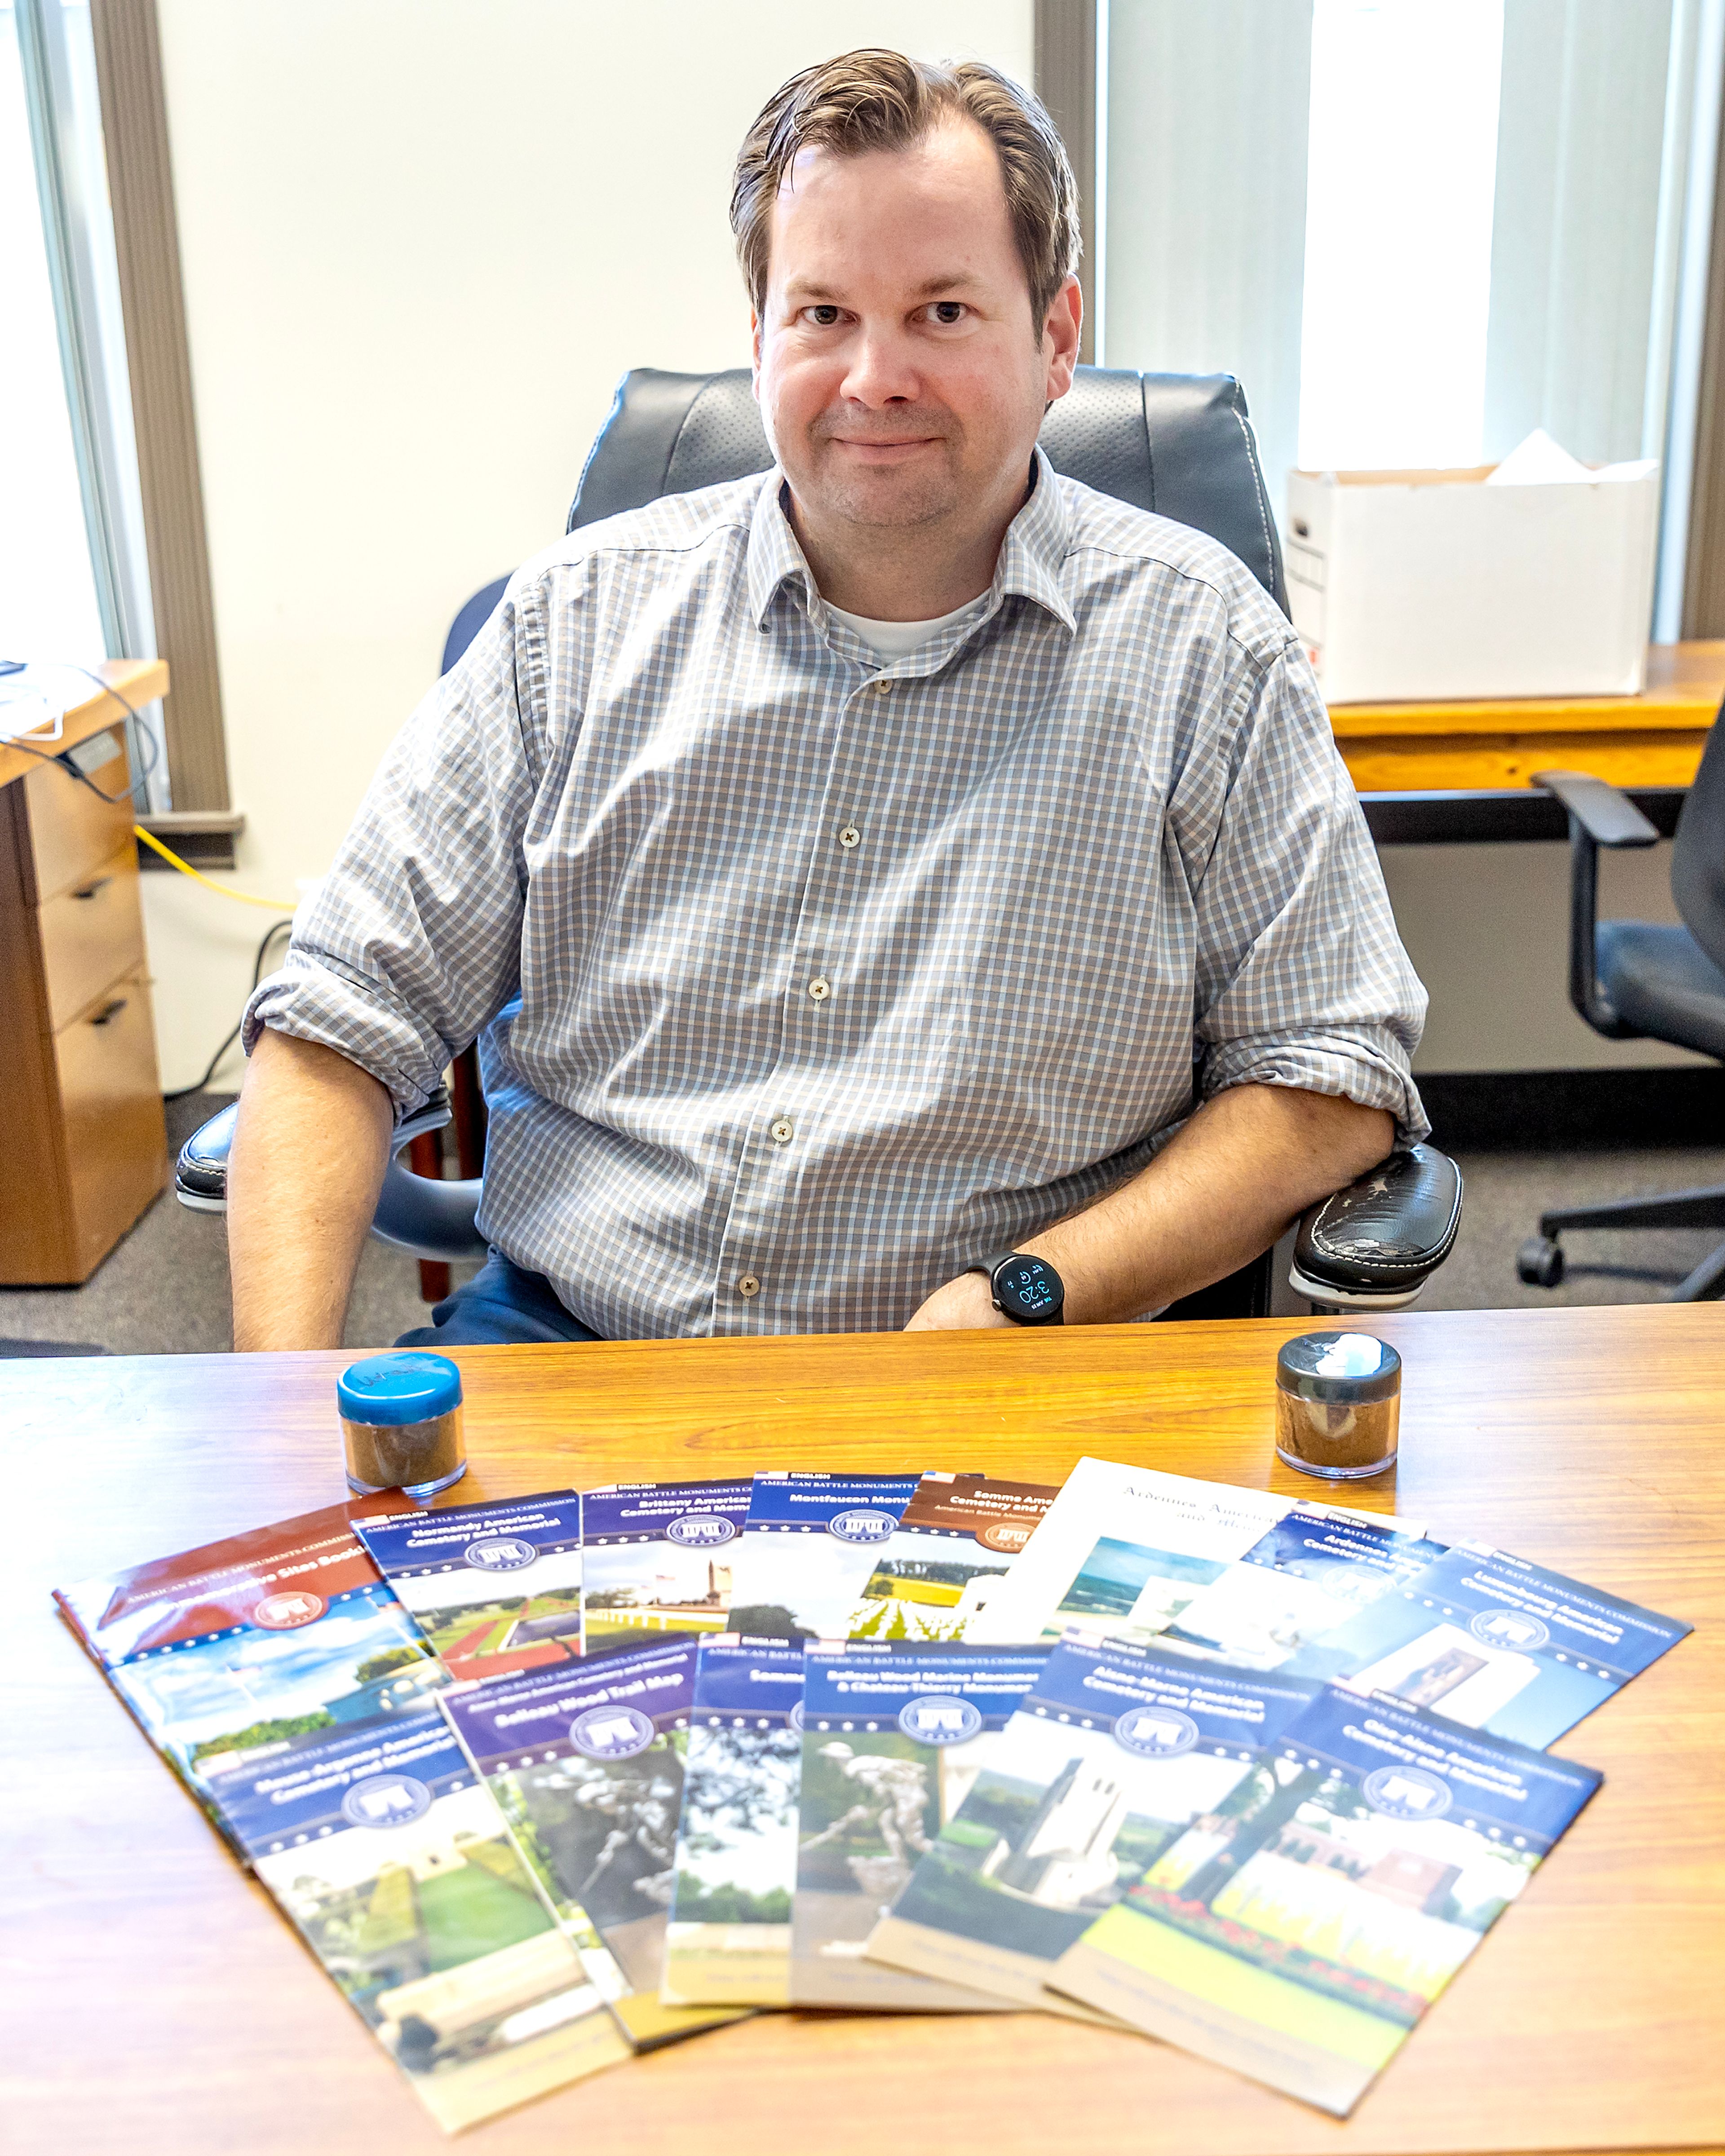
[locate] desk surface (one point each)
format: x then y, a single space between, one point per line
1654 739
149 1982
141 681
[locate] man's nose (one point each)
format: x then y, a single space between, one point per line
881 368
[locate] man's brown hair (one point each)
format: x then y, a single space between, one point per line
875 99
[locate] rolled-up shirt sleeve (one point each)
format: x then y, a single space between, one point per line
413 941
1301 977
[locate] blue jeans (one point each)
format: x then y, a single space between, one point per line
501 1306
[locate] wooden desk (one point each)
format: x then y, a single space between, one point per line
1654 739
157 2001
86 1146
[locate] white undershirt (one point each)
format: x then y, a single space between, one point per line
897 640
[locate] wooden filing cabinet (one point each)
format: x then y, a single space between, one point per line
85 1149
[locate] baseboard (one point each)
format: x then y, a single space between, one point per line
1575 1111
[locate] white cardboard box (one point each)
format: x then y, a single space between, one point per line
1430 585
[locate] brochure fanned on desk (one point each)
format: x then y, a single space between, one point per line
656 1558
237 1651
1121 1552
388 1855
494 1588
728 1942
893 1737
959 1537
807 1549
1301 1929
1115 1752
585 1763
1494 1643
1314 1570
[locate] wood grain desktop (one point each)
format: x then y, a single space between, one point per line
155 2001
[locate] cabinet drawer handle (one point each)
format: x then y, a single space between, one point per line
109 1010
90 890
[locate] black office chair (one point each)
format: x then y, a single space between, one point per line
1179 444
1643 980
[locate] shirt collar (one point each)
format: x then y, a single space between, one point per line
1031 556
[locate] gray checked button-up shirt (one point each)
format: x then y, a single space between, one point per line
804 982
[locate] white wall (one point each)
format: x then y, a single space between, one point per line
422 239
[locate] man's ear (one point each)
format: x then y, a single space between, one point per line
755 353
1060 337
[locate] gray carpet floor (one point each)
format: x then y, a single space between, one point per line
164 1290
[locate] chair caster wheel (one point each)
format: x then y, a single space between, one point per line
1539 1262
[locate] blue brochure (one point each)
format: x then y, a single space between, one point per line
808 1550
1310 1574
1114 1753
1496 1643
728 1942
1300 1927
586 1762
387 1852
894 1736
494 1588
656 1558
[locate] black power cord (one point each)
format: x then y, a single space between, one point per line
278 928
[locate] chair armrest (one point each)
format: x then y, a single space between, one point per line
1598 816
431 1219
1374 1245
1608 817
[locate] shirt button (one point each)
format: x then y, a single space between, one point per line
881 688
783 1130
820 990
848 836
748 1286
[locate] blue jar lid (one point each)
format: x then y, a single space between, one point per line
406 1387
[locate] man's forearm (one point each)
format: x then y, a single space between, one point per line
1249 1163
303 1176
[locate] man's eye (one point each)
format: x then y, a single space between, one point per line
822 317
949 311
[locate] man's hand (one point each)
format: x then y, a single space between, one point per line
1220 1193
303 1178
964 1305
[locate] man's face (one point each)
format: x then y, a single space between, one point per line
900 374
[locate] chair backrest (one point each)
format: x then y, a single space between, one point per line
1698 854
1180 444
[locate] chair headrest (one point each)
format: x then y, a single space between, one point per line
1180 444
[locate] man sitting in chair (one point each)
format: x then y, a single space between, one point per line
859 875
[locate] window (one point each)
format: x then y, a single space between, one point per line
1416 232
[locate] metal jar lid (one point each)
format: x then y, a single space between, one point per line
409 1386
1342 1370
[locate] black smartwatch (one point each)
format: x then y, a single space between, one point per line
1028 1291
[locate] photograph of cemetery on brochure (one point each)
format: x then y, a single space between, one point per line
636 1590
485 1626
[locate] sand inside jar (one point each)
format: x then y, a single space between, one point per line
397 1455
1336 1439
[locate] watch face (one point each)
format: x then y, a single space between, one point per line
1028 1290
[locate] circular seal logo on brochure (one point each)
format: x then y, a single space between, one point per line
281 1612
611 1732
1406 1793
1006 1536
797 1718
1155 1732
861 1525
499 1554
385 1800
940 1718
1510 1628
700 1530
